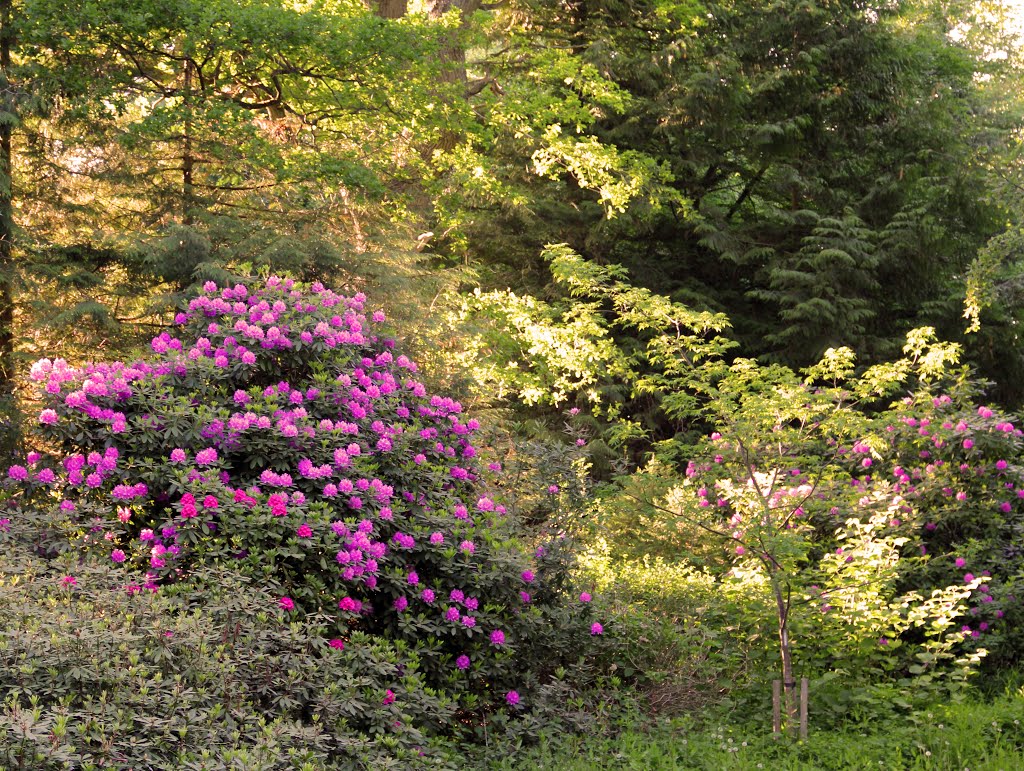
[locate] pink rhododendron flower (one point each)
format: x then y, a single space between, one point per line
206 457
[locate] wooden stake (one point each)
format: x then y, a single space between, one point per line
776 707
803 708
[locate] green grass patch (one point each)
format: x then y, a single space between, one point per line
974 735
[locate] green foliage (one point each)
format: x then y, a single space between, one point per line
580 350
813 171
824 290
791 178
95 675
174 144
10 428
882 541
535 352
687 639
974 734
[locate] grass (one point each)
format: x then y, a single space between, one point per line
979 736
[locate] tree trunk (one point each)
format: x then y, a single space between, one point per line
7 119
452 56
187 157
390 9
451 60
788 680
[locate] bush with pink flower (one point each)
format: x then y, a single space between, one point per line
278 432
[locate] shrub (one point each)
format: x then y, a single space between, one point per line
854 521
687 639
279 434
93 676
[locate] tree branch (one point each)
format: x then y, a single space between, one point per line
747 190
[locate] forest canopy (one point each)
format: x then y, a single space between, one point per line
823 174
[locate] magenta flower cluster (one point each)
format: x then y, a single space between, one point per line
280 421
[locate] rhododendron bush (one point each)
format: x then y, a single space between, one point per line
884 538
276 431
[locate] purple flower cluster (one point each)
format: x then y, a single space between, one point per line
341 465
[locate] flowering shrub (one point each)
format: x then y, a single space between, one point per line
957 464
884 540
278 432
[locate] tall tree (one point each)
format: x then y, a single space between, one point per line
8 117
810 168
175 145
452 53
